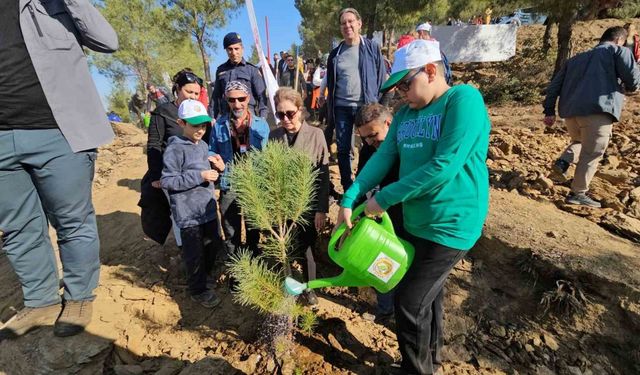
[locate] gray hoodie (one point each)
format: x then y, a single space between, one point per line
191 197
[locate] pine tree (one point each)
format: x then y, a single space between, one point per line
274 188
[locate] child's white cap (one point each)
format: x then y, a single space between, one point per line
193 112
416 54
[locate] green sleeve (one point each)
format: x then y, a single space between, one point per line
376 167
464 121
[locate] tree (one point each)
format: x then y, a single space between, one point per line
320 17
200 18
118 100
567 13
274 188
254 58
150 47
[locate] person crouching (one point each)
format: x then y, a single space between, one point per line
189 180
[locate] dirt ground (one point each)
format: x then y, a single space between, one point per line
547 290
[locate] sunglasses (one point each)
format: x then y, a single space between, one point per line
241 99
405 85
189 77
288 114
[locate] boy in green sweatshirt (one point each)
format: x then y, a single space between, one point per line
441 139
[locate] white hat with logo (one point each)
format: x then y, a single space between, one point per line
193 112
414 55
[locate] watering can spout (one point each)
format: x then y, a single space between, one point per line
344 279
294 287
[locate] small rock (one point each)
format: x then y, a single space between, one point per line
543 370
528 348
613 161
574 370
552 234
550 342
128 370
498 331
249 366
614 176
545 183
622 224
271 365
171 368
635 194
536 341
334 342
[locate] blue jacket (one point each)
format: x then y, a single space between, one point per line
589 83
372 73
220 142
191 197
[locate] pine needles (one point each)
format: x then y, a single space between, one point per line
275 188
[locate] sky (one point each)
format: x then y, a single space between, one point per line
284 20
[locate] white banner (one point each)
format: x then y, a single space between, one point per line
482 43
269 79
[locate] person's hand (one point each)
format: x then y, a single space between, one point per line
549 120
320 220
156 184
209 175
373 208
321 101
344 216
217 162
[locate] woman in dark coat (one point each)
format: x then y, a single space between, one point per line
298 134
156 214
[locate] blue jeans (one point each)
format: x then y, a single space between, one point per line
44 181
344 119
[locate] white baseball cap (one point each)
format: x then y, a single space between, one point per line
424 27
416 54
193 112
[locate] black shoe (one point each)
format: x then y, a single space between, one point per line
561 166
583 200
207 299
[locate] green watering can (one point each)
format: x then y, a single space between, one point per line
371 255
147 120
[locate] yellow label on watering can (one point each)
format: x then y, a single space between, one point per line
384 267
370 253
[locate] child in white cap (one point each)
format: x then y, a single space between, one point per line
189 180
440 137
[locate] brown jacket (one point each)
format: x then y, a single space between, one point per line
311 140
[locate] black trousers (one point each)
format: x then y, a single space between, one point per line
305 236
232 225
200 244
419 305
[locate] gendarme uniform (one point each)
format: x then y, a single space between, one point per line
244 72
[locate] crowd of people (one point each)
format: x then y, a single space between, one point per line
423 164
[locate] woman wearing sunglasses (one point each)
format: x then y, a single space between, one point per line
155 214
298 134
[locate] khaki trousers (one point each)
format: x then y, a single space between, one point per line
590 137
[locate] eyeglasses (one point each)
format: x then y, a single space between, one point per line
241 99
288 114
405 85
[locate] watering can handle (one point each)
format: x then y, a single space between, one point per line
335 238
